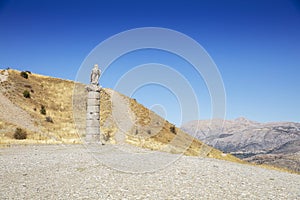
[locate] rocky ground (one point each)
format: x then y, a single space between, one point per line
78 172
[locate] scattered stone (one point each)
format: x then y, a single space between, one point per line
71 172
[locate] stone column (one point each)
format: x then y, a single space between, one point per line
93 107
93 114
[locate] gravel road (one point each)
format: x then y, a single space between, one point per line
73 172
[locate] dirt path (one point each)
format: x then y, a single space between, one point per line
11 113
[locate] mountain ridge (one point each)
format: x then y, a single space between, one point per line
252 141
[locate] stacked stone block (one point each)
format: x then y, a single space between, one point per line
93 115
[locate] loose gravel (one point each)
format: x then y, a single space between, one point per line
73 172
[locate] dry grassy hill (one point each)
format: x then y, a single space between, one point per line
122 119
54 94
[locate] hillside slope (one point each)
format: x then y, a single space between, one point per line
122 119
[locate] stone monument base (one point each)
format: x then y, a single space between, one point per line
93 114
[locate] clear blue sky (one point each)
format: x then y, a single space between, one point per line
255 44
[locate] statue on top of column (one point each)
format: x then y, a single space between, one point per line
95 75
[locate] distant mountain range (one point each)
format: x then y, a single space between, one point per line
276 143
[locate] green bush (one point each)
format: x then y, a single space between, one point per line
20 134
43 110
24 75
26 94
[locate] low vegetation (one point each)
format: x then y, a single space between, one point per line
24 74
49 119
173 129
43 110
20 134
26 94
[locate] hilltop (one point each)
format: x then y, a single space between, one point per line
122 119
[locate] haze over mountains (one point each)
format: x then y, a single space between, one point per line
276 143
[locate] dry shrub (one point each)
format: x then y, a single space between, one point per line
20 134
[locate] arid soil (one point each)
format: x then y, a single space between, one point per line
74 172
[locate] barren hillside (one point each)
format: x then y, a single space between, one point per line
122 120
